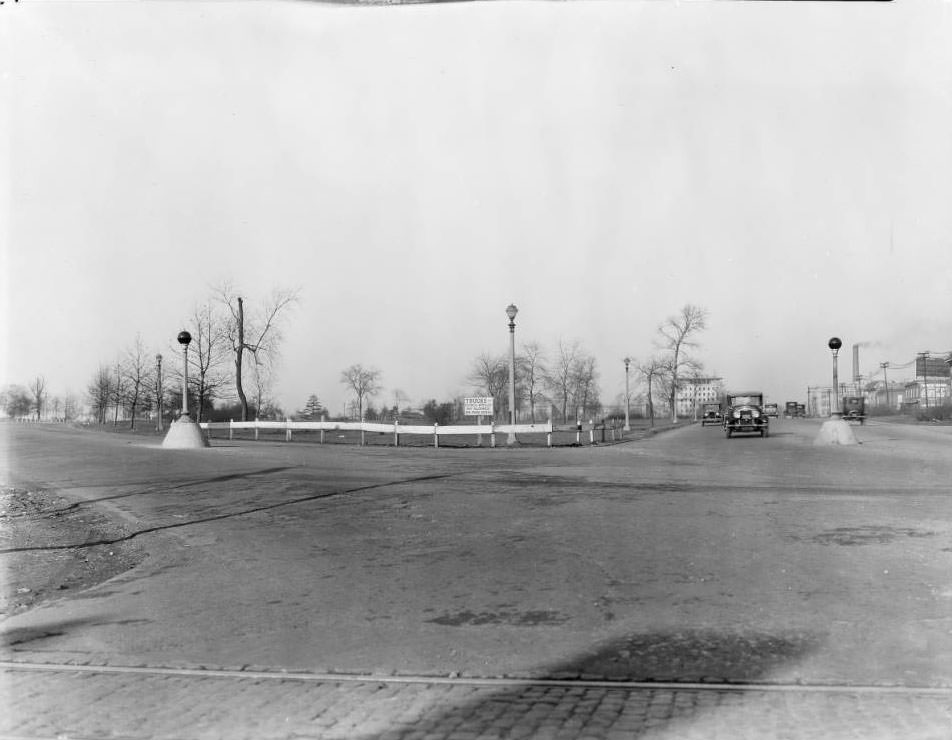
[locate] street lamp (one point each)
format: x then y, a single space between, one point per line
511 312
627 395
884 365
834 344
158 390
184 338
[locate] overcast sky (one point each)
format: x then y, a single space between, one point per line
414 169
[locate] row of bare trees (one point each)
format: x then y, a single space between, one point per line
35 402
566 378
233 354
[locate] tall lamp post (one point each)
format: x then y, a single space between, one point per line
627 396
834 344
158 391
184 338
884 365
511 312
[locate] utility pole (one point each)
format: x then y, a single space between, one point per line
924 356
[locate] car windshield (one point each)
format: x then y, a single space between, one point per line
745 400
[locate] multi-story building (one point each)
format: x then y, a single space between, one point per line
924 393
930 388
693 393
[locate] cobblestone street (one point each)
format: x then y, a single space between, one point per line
168 705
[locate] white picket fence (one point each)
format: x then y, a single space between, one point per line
396 429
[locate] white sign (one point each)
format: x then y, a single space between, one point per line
478 406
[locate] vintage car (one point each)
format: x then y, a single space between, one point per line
854 409
744 414
771 409
710 414
791 409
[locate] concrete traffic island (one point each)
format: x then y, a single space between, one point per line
185 434
835 432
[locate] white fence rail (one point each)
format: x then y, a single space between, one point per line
398 430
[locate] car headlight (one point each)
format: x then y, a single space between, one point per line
737 414
755 414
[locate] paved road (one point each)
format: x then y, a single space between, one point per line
684 558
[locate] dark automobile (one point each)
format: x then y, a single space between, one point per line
744 414
791 409
801 411
854 409
711 414
771 409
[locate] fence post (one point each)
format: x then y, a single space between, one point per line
436 436
256 428
591 432
287 434
396 432
361 432
492 432
323 419
231 431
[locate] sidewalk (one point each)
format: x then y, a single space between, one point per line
87 702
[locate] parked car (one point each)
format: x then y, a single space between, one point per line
711 414
854 409
791 409
772 409
744 414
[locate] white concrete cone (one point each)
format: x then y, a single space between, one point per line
185 434
835 432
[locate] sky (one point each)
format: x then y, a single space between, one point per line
413 170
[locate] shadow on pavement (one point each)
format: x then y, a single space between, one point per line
572 709
20 636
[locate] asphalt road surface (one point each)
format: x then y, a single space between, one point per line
685 585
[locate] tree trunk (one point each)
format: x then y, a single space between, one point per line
650 404
238 360
674 385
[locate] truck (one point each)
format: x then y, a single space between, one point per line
854 409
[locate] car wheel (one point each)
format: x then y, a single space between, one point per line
727 433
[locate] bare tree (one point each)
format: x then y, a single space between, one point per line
118 392
208 356
137 372
259 333
677 334
561 376
532 371
99 392
69 406
364 382
584 380
651 370
262 382
38 391
490 374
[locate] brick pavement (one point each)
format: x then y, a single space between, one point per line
72 704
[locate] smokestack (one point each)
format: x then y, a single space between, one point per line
856 363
